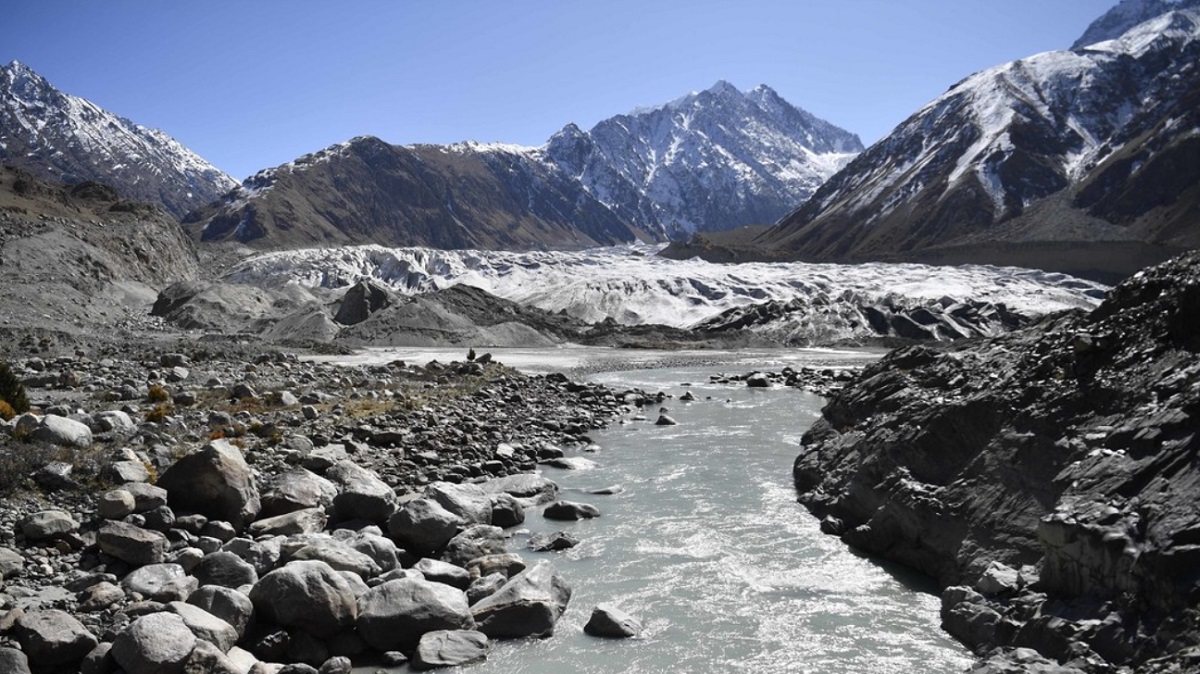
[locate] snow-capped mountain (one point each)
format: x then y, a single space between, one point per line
711 160
1074 160
468 195
66 138
1126 15
632 286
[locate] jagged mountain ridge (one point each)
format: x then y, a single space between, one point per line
1125 15
683 167
454 197
714 158
1039 162
65 138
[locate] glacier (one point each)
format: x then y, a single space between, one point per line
631 285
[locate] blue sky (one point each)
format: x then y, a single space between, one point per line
252 84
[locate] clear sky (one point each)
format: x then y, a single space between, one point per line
250 84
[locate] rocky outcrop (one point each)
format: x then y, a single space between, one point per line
1045 478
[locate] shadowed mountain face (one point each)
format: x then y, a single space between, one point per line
461 196
67 139
1082 161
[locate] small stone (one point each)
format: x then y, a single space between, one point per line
609 621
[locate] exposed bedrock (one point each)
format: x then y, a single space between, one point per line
1047 478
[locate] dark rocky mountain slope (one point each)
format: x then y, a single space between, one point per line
1080 161
1046 478
368 191
64 138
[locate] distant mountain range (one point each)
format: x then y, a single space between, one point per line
68 139
715 159
1085 161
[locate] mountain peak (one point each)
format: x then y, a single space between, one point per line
1125 15
724 88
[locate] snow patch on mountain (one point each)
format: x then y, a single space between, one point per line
632 286
1125 15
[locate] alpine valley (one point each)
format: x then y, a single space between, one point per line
199 473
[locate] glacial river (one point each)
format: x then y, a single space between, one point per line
705 542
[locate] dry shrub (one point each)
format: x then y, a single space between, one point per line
157 393
6 411
159 413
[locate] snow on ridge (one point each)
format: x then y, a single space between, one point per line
633 286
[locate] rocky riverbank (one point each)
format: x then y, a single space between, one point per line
1046 478
197 511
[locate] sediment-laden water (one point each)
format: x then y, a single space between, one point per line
706 544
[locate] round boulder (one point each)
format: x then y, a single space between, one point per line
215 481
53 638
394 615
449 648
158 643
309 595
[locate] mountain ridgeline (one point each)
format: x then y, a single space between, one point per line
715 159
64 138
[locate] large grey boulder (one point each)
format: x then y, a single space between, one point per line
134 545
309 595
468 501
115 421
205 625
609 621
476 541
48 524
62 431
449 648
338 555
215 481
226 569
158 643
225 603
53 638
394 615
361 494
381 550
507 511
443 572
12 563
424 526
297 489
160 582
528 605
13 661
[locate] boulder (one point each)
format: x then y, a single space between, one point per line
12 563
146 496
309 595
758 380
62 431
507 511
160 582
475 541
338 555
608 621
13 661
558 540
225 603
307 521
485 586
508 563
206 626
394 615
468 501
443 572
664 420
225 569
53 638
48 524
361 494
116 504
570 510
207 658
528 605
158 643
133 545
115 421
424 526
449 648
215 481
297 489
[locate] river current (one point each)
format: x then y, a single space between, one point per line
704 540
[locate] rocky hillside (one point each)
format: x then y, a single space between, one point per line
454 197
1046 478
76 257
1081 161
711 160
64 138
